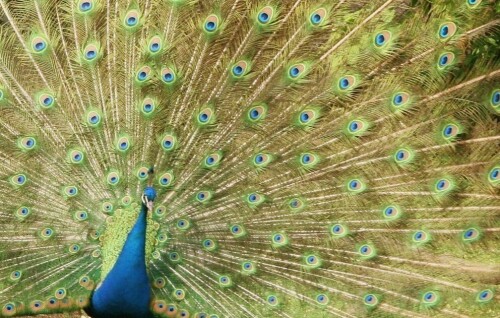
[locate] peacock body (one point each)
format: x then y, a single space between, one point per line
236 158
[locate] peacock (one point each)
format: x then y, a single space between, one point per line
250 158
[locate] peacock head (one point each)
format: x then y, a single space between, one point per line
150 193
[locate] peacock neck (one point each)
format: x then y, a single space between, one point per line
125 292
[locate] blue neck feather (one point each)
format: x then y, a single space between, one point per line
125 292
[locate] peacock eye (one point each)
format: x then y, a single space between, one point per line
85 6
263 17
210 26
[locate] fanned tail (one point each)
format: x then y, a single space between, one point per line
319 159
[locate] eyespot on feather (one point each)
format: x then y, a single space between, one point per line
400 99
203 196
93 118
113 178
371 300
37 306
254 199
9 309
451 131
183 224
46 233
155 45
338 231
445 60
308 160
91 53
168 142
174 257
160 211
205 117
74 248
494 175
355 185
123 144
70 191
237 230
3 95
166 179
296 204
447 30
261 160
16 275
159 282
322 299
46 101
382 38
53 303
357 127
279 239
76 156
312 261
240 69
80 216
420 237
179 294
162 237
168 76
131 19
142 173
159 306
307 118
107 207
265 15
60 293
147 106
86 7
443 185
391 212
84 281
430 299
211 24
403 156
317 17
225 281
297 71
347 82
248 268
172 310
23 212
143 74
256 113
18 180
367 251
471 234
39 44
209 245
27 143
485 296
273 301
213 160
